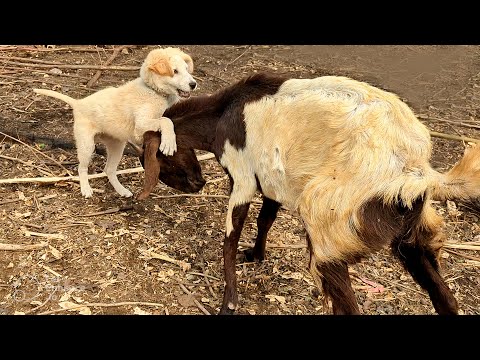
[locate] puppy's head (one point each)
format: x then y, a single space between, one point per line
181 171
169 70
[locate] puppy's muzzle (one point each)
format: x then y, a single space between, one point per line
193 85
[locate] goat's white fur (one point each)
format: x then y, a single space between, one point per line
324 147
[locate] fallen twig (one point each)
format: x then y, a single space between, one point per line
125 303
51 271
205 278
48 236
10 201
50 180
55 179
110 211
199 305
42 170
212 181
41 305
75 67
37 61
251 245
37 151
147 254
189 195
238 57
204 275
453 137
95 77
459 123
463 255
205 157
22 247
463 246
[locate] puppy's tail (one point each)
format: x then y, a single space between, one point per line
70 101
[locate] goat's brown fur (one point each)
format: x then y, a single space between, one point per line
352 159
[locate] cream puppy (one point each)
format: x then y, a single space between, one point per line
117 115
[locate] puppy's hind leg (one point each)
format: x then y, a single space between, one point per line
85 147
114 155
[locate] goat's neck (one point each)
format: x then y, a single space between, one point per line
195 121
197 132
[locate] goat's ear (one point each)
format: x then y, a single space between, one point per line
150 163
162 67
187 58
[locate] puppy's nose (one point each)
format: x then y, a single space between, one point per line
193 85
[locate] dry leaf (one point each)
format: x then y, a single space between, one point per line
67 305
85 311
18 313
272 298
78 299
452 209
292 275
35 302
56 254
65 297
375 288
10 265
138 311
21 196
71 306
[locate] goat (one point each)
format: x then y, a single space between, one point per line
350 158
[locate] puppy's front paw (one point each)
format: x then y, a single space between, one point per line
168 146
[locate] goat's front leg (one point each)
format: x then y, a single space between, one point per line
265 220
230 297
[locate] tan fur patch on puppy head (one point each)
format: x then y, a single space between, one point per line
162 67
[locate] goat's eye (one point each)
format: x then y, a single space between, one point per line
175 71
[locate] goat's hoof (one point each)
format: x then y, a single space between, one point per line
250 256
226 311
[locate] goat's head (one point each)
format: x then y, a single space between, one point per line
181 171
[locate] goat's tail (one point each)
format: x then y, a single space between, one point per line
70 101
462 182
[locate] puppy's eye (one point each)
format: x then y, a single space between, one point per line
175 71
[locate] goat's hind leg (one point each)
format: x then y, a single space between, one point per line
417 251
335 282
265 220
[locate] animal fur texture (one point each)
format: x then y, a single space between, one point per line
350 158
117 115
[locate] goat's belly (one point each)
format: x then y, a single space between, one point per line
272 178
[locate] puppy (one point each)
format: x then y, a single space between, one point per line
117 115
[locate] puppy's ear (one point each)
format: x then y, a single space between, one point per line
150 163
188 60
162 67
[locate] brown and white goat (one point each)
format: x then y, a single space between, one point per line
351 159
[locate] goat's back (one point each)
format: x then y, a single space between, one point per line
327 146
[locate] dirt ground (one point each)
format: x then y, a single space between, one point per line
107 262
